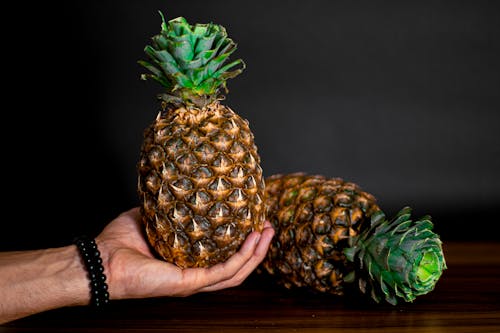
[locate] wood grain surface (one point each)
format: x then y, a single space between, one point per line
466 299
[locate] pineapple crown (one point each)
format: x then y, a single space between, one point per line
398 259
189 61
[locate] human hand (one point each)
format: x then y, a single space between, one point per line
132 271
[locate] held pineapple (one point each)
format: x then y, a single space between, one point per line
330 232
199 174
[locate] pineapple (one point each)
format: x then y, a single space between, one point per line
199 177
331 233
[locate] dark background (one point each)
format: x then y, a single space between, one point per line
401 97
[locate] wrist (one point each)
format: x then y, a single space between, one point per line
73 278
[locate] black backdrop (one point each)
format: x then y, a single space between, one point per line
401 97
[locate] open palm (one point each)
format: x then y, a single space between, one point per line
133 272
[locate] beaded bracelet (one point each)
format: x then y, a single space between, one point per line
93 263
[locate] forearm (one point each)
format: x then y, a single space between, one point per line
40 280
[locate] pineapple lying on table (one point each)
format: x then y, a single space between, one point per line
199 174
330 232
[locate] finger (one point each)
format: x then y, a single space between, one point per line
203 277
254 261
224 275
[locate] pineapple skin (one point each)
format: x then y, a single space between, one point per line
200 184
314 217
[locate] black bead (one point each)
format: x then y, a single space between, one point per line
91 257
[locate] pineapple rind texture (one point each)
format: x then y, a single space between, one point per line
314 217
201 184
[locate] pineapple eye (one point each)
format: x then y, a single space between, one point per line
208 128
323 268
156 156
322 204
286 216
181 210
183 184
238 176
222 141
324 245
250 161
292 182
306 213
202 197
202 172
225 231
250 183
169 170
198 227
164 195
237 149
178 240
203 248
293 256
356 215
288 197
244 213
321 224
307 194
237 196
153 182
192 138
199 223
342 200
304 236
175 146
205 152
364 202
222 164
231 127
162 133
246 137
339 216
186 162
257 199
143 165
219 209
309 255
219 184
340 234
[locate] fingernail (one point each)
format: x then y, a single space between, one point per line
257 239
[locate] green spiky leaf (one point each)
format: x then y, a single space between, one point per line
398 259
189 61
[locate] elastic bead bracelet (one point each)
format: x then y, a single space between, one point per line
91 257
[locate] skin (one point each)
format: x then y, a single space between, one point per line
41 280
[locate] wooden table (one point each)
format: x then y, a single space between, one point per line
466 299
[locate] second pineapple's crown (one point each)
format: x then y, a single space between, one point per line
189 61
400 258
